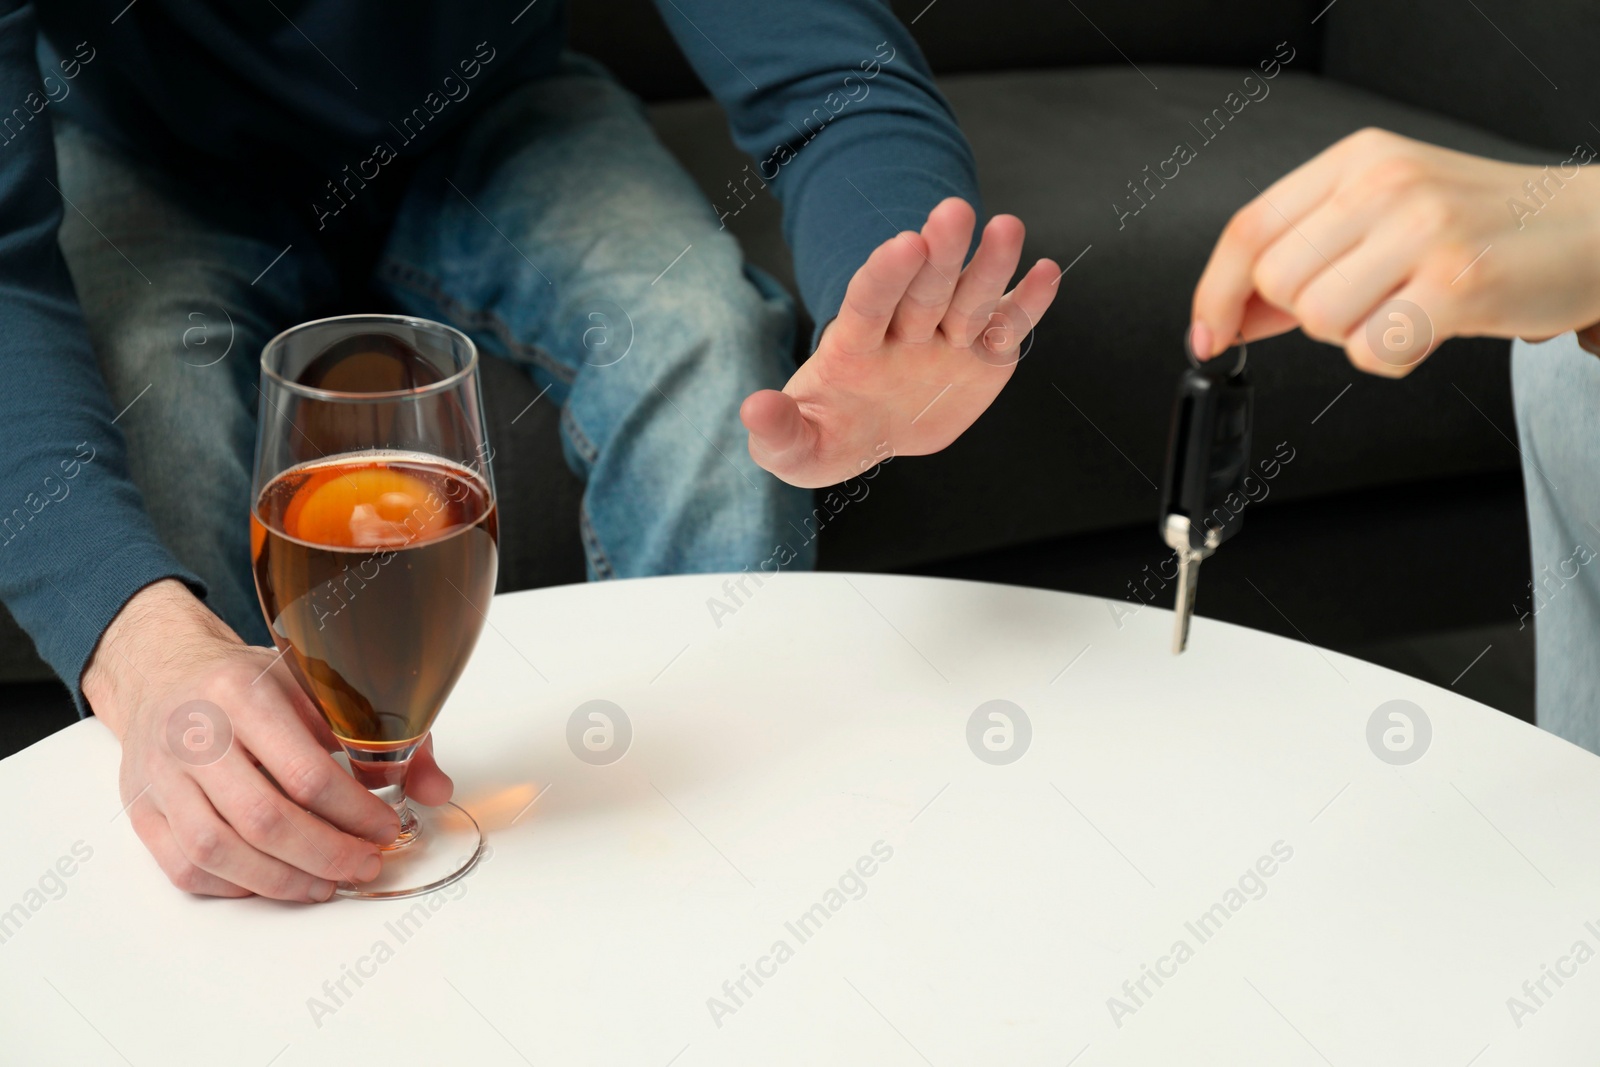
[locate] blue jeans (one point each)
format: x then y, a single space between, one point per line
1557 389
554 229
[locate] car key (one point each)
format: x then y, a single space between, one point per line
1208 457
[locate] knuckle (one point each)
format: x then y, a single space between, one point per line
284 883
957 327
1251 225
1361 360
1355 197
228 686
854 306
146 822
1318 318
1391 175
1366 136
346 860
204 845
1272 280
1367 363
306 777
258 820
925 300
1429 215
1458 269
187 877
146 763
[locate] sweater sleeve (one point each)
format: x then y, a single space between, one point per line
835 103
75 542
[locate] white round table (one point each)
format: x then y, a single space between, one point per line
811 851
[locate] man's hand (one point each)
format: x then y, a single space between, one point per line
919 350
1387 246
214 821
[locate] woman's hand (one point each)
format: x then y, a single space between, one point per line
1387 246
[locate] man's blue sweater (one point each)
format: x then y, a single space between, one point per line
307 86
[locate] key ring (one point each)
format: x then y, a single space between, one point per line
1217 366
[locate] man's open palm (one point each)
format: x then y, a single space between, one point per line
919 349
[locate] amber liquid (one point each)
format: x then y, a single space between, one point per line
375 572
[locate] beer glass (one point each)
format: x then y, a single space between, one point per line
374 543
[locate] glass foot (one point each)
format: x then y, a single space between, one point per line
436 846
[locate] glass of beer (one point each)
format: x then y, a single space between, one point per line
374 543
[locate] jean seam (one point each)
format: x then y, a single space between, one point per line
426 285
591 545
580 440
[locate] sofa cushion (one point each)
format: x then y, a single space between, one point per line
538 495
1525 70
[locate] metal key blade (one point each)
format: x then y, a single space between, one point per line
1183 607
1176 532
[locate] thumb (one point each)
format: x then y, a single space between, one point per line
773 419
425 782
781 438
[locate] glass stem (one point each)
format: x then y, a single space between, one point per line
384 776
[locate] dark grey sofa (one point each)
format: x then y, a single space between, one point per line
1066 104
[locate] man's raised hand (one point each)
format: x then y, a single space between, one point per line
919 350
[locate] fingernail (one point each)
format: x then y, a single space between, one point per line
1200 341
321 891
369 869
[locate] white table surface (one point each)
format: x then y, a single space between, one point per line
769 754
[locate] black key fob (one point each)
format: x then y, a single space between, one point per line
1208 450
